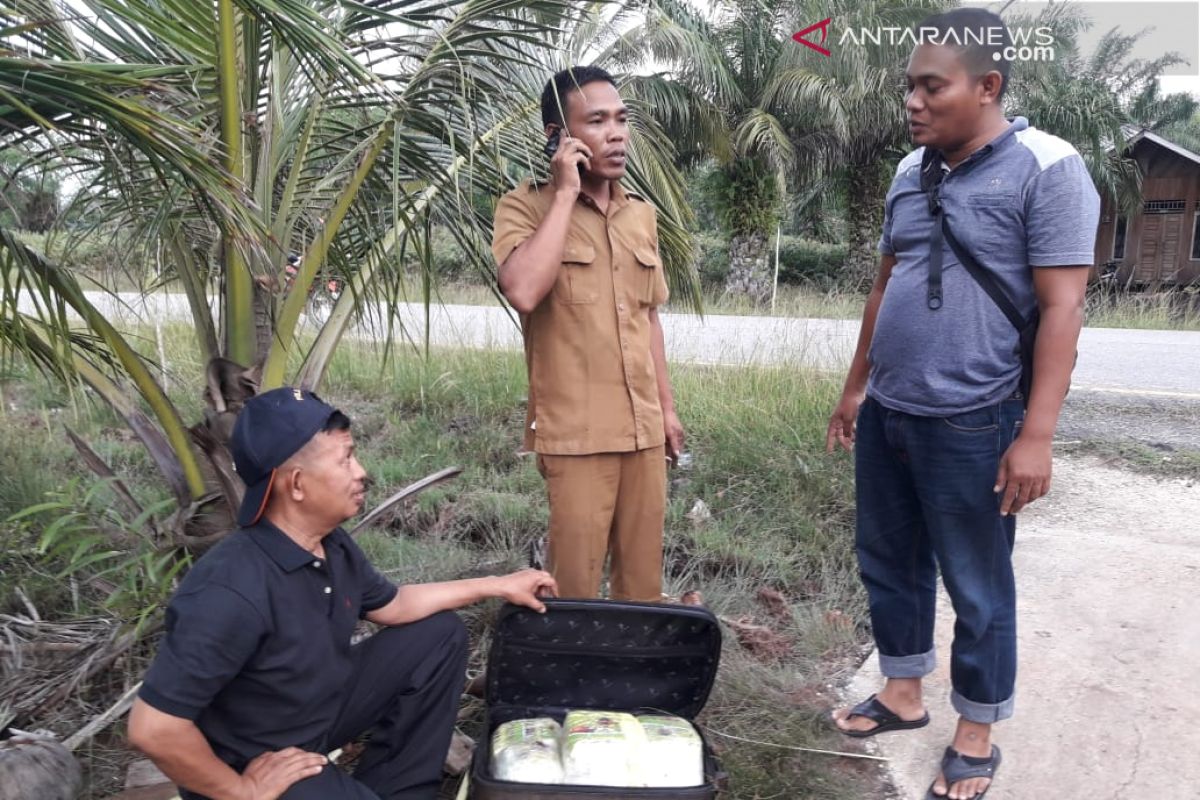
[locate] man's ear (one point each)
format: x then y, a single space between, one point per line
990 85
293 483
551 128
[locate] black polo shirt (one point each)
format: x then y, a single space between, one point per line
257 644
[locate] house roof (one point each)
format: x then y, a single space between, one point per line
1134 135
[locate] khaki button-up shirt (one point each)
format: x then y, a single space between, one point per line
592 381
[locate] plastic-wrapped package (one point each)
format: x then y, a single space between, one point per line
528 751
673 756
601 748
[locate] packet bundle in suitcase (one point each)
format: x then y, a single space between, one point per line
596 699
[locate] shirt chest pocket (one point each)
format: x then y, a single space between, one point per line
578 281
647 276
995 220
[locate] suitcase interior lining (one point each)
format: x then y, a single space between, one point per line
604 655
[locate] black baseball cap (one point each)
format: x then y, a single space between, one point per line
271 428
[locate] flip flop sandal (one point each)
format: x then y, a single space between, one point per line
957 767
884 718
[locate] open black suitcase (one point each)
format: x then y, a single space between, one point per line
596 654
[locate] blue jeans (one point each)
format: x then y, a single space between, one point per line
925 500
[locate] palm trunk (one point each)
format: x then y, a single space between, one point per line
239 288
867 185
750 272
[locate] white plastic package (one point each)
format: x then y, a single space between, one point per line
601 748
528 751
673 756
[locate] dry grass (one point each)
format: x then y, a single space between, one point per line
1178 309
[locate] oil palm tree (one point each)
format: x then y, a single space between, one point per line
225 134
780 119
709 98
1089 100
1185 132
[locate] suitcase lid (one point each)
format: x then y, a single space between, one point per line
605 655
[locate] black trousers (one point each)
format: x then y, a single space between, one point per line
406 689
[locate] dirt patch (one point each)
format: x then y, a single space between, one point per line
1164 423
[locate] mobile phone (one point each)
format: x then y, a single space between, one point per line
552 146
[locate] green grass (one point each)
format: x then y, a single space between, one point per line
1172 310
780 518
792 301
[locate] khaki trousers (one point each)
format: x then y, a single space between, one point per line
607 503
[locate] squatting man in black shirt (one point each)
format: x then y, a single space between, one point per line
256 679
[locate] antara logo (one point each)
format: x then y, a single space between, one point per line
823 26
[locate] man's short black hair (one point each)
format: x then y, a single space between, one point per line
979 35
337 422
554 96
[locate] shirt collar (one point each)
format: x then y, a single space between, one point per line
1015 124
619 198
282 549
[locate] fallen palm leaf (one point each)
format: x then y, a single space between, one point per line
405 493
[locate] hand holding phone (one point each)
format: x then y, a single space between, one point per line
564 151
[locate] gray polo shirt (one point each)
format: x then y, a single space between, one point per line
1023 201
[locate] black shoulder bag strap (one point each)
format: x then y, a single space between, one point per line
985 279
932 175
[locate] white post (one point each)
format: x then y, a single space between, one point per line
162 353
775 282
158 325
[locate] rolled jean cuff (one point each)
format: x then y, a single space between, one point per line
915 666
982 713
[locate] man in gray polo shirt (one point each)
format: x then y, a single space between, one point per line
945 450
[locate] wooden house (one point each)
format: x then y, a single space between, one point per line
1160 246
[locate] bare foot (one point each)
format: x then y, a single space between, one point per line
971 739
902 696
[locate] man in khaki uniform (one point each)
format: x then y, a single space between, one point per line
579 260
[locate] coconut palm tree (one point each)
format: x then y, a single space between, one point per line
224 135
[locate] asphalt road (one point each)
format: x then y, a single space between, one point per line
1164 364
